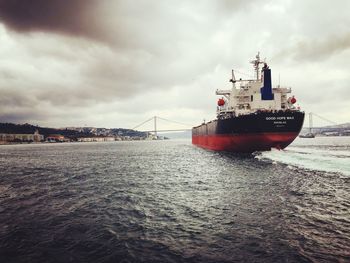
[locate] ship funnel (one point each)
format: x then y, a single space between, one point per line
266 90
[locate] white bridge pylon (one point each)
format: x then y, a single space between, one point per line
155 130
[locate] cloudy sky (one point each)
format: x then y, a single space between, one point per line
115 63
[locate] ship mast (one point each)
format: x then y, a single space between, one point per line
256 62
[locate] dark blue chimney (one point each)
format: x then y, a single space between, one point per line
266 90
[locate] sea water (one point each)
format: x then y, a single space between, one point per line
169 201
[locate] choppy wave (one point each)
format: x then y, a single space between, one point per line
169 201
318 159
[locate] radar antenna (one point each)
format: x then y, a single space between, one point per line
256 62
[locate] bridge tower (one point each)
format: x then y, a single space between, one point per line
155 126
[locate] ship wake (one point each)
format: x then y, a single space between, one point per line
323 159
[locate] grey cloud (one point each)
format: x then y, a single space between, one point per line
107 56
117 22
231 6
16 117
76 17
20 108
163 45
312 49
15 99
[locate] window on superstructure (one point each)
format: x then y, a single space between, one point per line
251 97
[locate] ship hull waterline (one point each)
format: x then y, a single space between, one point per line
245 142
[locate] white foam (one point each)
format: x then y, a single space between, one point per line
312 159
319 151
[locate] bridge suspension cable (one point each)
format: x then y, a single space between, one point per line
143 123
177 122
323 118
164 119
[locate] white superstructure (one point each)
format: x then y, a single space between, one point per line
249 96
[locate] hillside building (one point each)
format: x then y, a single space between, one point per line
12 137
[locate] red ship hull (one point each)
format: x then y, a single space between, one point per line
245 142
249 133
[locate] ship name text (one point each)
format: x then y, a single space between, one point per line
272 118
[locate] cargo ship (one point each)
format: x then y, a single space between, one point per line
251 116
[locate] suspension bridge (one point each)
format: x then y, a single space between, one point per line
331 126
311 114
154 121
155 130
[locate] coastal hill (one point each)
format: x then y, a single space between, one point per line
72 133
30 129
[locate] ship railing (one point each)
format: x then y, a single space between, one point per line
223 92
246 82
224 110
242 100
282 90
